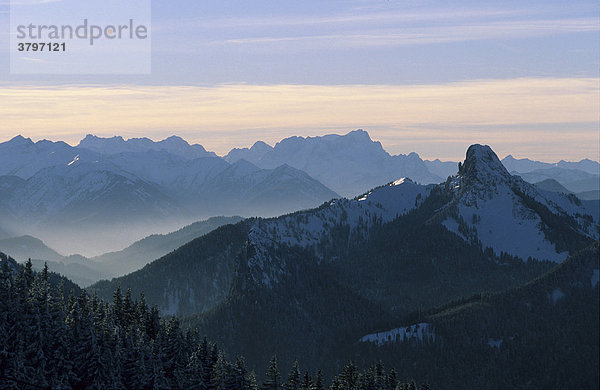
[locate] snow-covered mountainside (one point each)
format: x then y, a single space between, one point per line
312 230
317 230
173 145
348 164
510 215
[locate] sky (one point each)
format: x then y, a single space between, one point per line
425 76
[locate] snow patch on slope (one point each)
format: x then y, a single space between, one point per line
419 332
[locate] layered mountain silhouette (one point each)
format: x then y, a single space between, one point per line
86 271
76 198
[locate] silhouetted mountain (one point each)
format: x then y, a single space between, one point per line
442 169
173 145
572 179
552 186
155 246
23 158
526 165
27 247
348 164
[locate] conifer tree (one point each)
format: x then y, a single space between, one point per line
273 377
293 379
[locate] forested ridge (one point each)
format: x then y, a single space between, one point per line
53 340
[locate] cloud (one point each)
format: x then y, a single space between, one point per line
352 18
433 34
224 116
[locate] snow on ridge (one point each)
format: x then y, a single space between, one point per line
309 229
383 204
401 181
452 225
419 332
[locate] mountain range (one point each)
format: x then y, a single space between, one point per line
315 281
51 190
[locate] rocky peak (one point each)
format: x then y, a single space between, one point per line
482 165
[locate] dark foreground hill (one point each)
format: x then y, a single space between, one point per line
542 335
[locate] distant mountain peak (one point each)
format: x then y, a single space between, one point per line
359 133
176 138
260 146
20 140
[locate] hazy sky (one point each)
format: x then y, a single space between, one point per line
424 76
